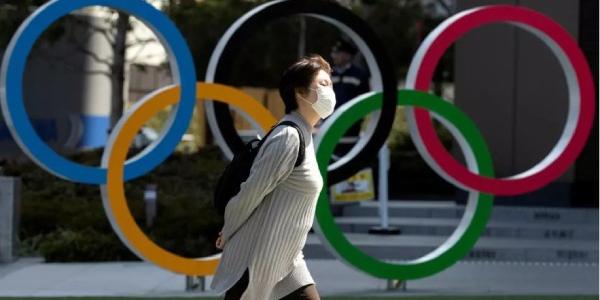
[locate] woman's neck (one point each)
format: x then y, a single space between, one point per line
309 116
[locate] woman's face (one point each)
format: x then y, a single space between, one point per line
322 79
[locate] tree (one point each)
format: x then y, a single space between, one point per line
76 29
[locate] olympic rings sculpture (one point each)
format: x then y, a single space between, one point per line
477 177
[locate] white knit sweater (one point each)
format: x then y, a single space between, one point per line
267 222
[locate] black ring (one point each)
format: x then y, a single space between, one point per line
258 18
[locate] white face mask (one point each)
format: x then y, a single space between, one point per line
325 103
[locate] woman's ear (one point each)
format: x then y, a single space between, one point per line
299 92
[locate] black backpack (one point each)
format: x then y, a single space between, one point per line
238 170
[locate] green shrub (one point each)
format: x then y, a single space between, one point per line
65 221
65 245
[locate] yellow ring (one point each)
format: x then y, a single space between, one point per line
114 195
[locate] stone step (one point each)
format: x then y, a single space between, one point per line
407 247
502 229
448 209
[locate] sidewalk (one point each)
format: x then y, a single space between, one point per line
32 277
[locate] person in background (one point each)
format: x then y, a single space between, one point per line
348 81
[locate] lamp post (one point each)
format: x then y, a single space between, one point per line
150 197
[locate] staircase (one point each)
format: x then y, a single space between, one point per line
513 234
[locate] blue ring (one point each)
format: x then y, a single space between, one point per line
12 90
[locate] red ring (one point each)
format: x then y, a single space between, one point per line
506 186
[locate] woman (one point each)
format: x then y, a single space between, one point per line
267 222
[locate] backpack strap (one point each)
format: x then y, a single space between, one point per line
300 157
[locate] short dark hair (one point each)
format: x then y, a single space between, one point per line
299 76
344 46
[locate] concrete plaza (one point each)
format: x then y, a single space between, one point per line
32 277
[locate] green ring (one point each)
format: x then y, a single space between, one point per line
477 211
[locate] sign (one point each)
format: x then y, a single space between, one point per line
359 187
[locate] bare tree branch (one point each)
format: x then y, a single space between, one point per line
68 64
105 32
141 42
94 56
447 8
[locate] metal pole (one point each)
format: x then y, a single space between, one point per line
195 283
189 283
384 166
396 284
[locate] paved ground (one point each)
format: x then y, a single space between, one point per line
32 277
